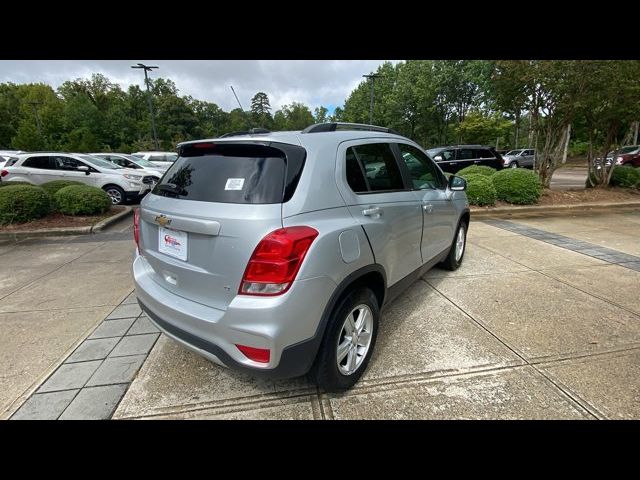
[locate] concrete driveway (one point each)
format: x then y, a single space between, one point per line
541 321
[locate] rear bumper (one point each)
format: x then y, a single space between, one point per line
135 196
286 325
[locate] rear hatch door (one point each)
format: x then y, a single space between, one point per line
201 223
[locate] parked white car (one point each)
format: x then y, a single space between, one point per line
121 184
5 154
125 160
161 159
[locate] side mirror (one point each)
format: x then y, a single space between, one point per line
84 169
457 184
438 158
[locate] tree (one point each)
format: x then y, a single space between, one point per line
508 93
261 110
357 104
338 115
296 116
482 129
39 113
552 90
609 105
412 101
320 114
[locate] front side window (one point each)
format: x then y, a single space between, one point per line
442 155
378 165
66 163
424 174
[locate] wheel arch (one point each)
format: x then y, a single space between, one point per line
465 217
371 276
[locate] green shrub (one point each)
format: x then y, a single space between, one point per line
480 190
82 200
476 170
52 187
9 184
517 185
627 177
23 203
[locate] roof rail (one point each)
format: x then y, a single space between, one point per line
248 132
333 126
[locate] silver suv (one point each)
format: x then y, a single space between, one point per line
275 253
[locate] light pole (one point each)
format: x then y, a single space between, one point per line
35 111
148 68
372 77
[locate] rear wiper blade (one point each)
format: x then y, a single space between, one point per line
170 187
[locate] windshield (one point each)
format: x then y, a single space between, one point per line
140 161
628 149
433 151
98 162
513 152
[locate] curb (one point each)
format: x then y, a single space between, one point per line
552 209
56 232
98 227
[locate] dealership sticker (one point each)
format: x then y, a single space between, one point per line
173 243
234 184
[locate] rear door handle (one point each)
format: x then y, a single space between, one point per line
427 208
368 212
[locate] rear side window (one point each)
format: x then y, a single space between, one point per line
483 153
37 162
465 154
379 165
355 174
233 173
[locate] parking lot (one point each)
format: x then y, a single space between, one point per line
541 321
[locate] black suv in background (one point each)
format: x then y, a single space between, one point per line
456 157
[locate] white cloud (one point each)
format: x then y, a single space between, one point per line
313 82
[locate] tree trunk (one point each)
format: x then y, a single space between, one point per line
566 144
517 127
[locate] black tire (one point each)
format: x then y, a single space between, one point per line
514 164
324 372
450 263
115 193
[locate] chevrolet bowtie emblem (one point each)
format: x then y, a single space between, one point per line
163 220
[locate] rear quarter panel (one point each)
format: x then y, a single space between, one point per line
325 257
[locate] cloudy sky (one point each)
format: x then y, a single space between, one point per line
313 82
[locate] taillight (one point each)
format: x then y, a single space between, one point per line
276 260
136 227
261 355
4 173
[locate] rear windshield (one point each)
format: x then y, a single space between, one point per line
228 173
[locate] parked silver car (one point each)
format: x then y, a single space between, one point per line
135 163
274 253
160 159
519 158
